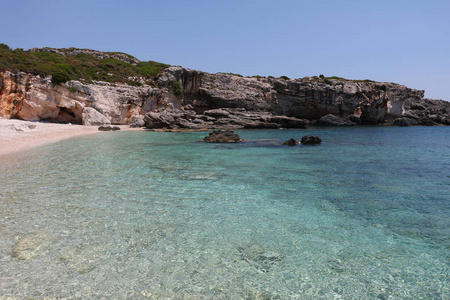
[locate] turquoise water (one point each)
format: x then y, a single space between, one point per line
151 215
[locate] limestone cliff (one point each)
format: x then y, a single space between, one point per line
34 97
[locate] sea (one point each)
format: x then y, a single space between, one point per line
161 215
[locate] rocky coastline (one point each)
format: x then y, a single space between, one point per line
180 98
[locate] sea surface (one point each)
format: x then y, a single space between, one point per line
160 215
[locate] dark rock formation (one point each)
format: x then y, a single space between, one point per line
311 140
222 136
405 121
108 128
291 142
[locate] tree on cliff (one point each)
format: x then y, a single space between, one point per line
59 77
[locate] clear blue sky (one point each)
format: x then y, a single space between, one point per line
402 41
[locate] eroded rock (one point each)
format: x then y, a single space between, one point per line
223 136
311 140
92 117
291 142
30 246
108 128
332 120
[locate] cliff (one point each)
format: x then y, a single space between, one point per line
179 97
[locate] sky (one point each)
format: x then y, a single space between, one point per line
401 41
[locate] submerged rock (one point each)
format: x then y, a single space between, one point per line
30 246
259 257
291 142
311 140
223 136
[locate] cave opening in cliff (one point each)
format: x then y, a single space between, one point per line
67 115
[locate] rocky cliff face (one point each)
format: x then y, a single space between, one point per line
254 99
29 97
310 98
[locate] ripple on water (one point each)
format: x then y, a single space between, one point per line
362 216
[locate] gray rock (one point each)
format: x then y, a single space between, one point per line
311 140
92 117
108 128
30 246
291 142
259 257
405 121
217 113
222 136
137 121
159 120
332 120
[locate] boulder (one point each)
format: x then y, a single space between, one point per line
159 120
222 136
92 117
332 120
137 122
108 128
311 140
405 121
291 142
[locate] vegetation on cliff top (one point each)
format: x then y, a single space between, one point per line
83 66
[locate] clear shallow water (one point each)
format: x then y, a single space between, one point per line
145 215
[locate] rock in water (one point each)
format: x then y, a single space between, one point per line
30 246
223 136
290 142
311 140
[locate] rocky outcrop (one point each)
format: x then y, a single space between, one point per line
350 102
183 98
222 136
291 142
332 120
28 97
92 117
311 140
224 118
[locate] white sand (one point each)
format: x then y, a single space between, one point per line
17 135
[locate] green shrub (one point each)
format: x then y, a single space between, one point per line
73 89
4 47
83 66
178 89
59 77
284 77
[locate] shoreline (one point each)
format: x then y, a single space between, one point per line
18 135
